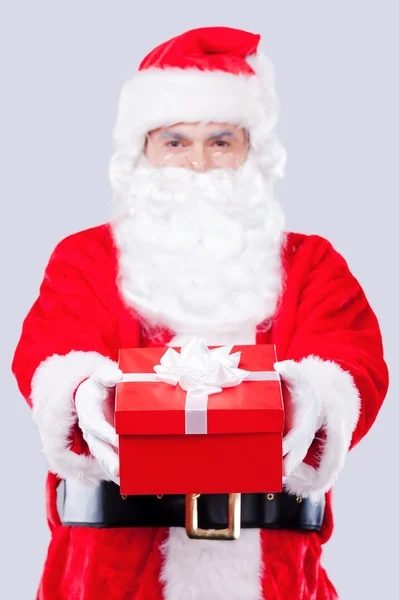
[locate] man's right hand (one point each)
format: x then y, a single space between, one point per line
94 401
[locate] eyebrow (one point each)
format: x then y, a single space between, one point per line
170 134
219 134
173 134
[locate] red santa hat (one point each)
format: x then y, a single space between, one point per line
206 74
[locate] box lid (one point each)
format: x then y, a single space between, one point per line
156 408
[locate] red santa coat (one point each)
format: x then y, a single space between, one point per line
80 320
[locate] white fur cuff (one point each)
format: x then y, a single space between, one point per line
53 385
341 404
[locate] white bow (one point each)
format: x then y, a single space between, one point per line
198 369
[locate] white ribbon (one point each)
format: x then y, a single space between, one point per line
200 372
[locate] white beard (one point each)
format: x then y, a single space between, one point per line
200 252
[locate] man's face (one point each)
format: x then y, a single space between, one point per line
195 243
197 146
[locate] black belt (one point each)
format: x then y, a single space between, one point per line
103 506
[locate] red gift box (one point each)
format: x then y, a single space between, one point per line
241 450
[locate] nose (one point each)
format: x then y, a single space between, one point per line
197 158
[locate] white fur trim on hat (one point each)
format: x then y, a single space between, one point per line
341 403
162 97
53 385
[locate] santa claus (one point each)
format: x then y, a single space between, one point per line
197 246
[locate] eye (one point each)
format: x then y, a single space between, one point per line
221 143
173 144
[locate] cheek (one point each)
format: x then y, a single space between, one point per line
237 155
155 154
228 159
234 159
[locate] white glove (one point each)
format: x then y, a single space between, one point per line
306 416
94 402
322 396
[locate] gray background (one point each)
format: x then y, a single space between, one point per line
336 63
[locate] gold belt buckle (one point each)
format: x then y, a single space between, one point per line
234 520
